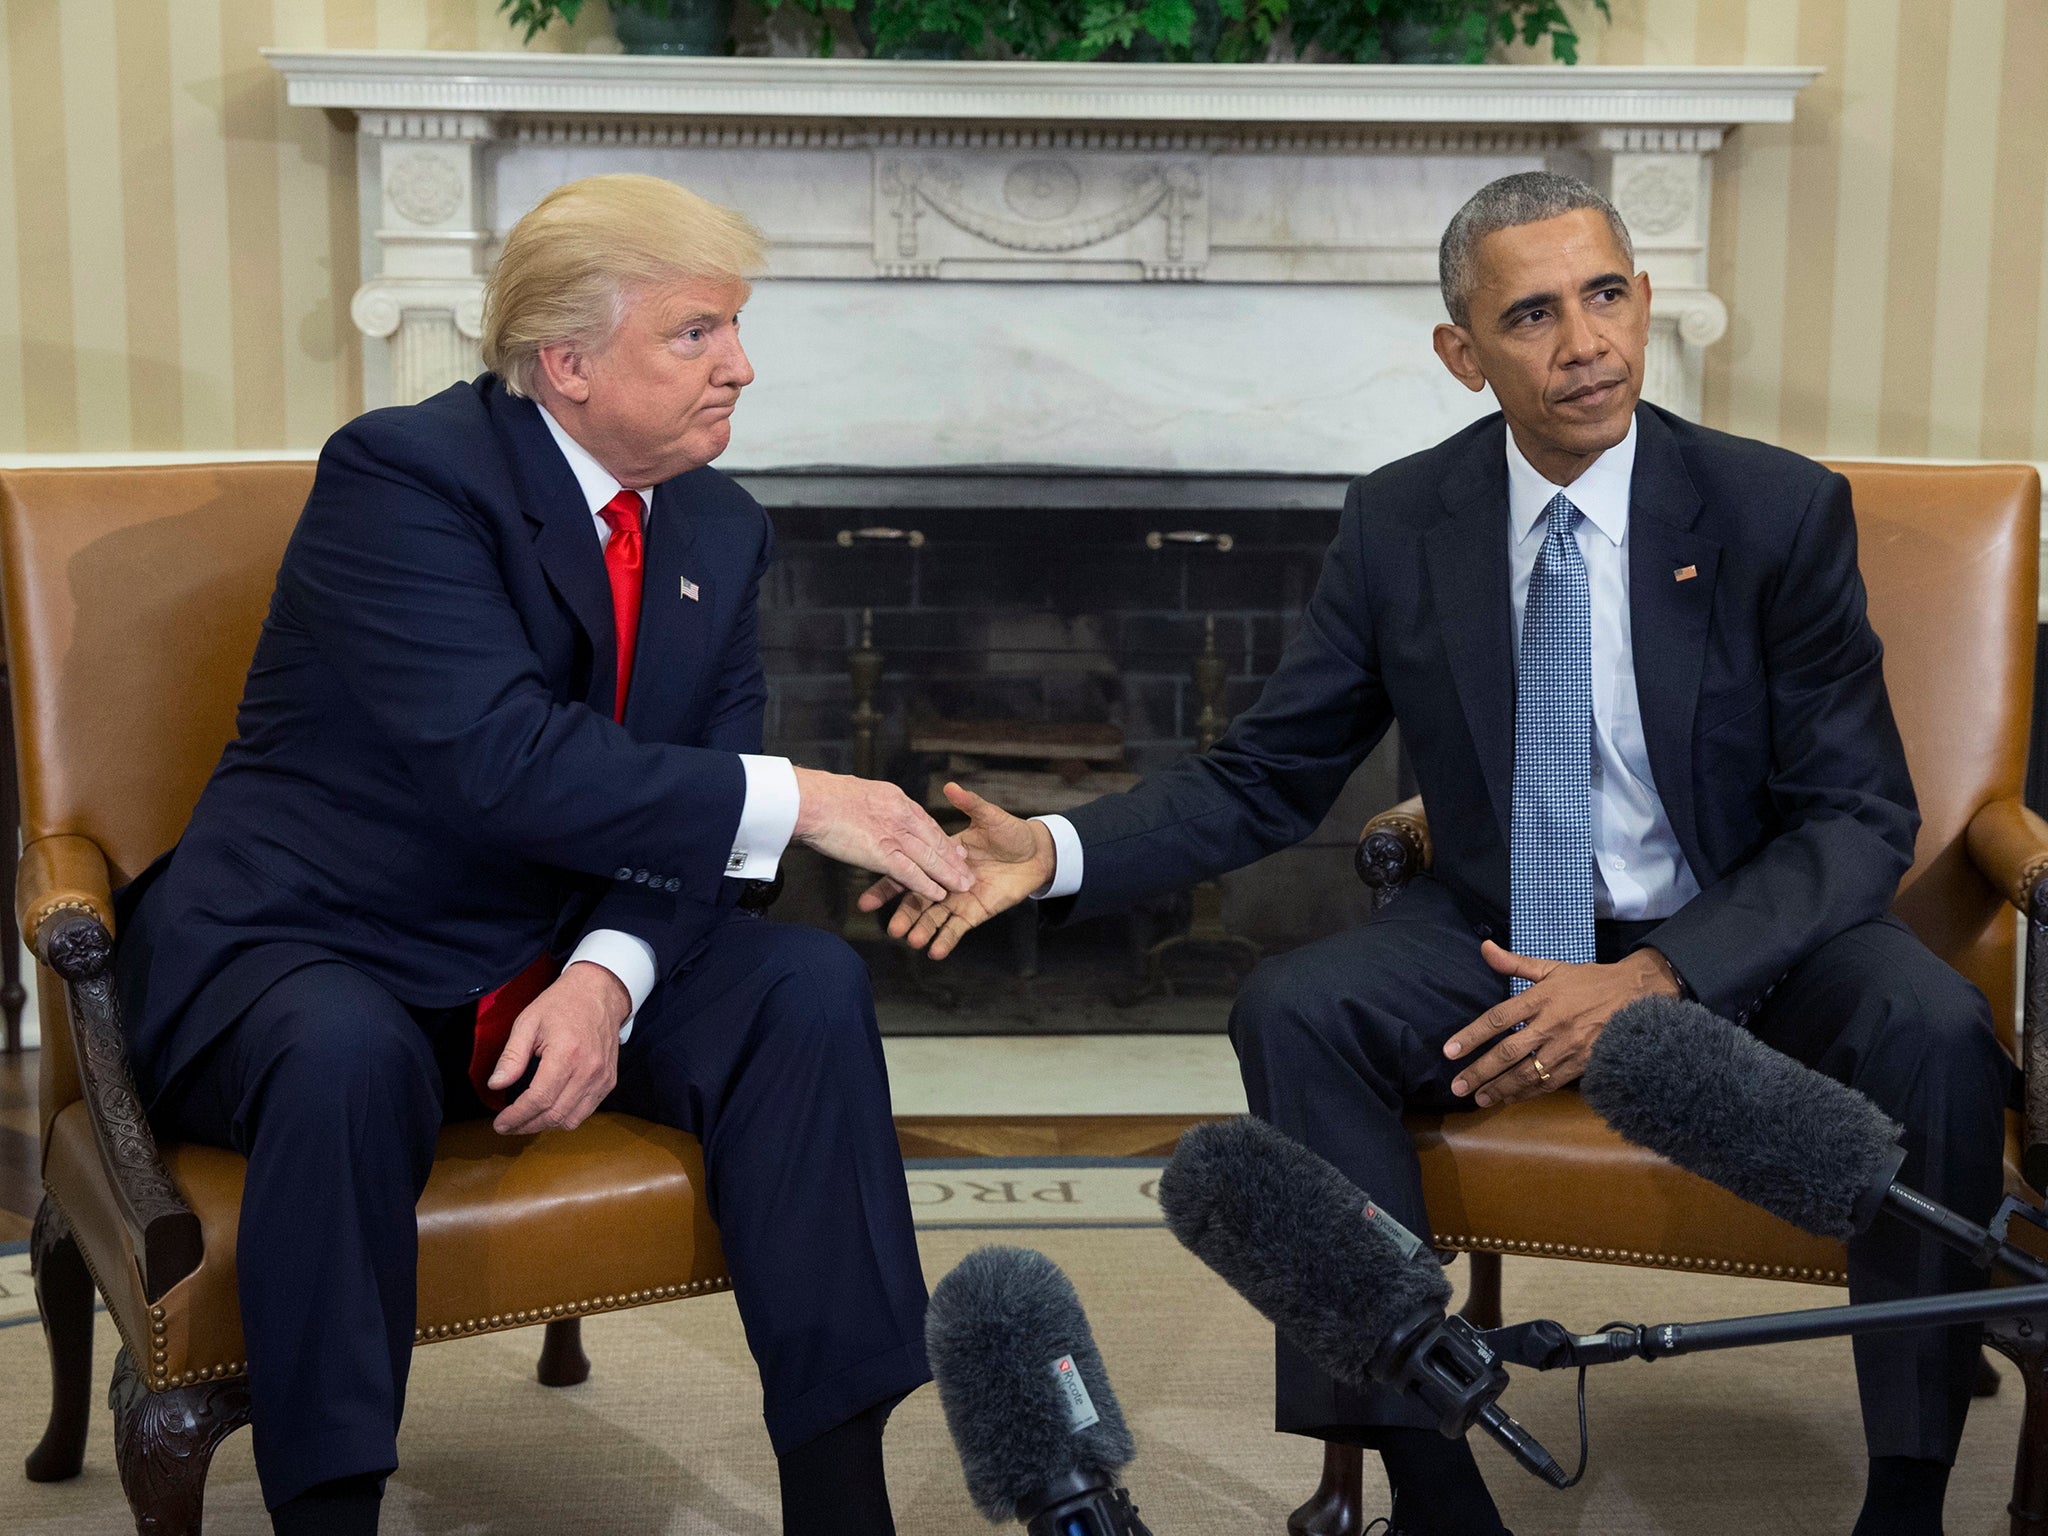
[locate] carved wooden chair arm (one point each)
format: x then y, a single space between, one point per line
63 901
2009 845
1393 849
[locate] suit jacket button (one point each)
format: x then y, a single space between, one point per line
672 884
622 874
639 877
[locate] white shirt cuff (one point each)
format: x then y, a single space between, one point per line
1066 859
767 820
628 957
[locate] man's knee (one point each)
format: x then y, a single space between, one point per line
1291 1007
337 1045
820 986
1917 1024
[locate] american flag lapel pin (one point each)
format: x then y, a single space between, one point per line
1683 573
689 589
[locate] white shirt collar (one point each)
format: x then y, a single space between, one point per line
1601 492
599 484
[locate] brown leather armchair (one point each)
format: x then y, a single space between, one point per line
133 599
1950 555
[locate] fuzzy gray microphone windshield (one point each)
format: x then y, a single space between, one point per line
1349 1286
1027 1399
1714 1099
1278 1223
1711 1097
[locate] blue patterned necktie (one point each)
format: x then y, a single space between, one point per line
1551 845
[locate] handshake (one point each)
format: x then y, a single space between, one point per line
947 885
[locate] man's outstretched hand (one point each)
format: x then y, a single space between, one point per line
1561 1015
878 828
1009 859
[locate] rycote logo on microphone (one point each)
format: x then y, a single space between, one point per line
1409 1244
1081 1412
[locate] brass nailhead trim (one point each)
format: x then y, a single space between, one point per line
1645 1260
2030 876
72 904
611 1303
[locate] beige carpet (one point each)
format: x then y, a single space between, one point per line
666 1437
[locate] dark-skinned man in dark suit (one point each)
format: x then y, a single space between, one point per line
478 845
1630 662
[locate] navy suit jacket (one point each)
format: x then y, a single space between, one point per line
1770 735
426 781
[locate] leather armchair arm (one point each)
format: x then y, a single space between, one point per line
62 899
1393 849
2009 845
64 873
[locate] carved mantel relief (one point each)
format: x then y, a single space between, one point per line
1029 217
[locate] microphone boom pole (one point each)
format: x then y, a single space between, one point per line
1546 1346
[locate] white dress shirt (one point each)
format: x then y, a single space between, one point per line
1639 870
767 816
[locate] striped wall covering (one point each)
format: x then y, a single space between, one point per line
178 248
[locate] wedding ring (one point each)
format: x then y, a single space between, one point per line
1541 1075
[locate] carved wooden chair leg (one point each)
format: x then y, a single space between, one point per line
562 1361
164 1442
1337 1508
1482 1301
64 1293
2025 1343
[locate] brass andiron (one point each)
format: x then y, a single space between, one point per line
1205 925
864 667
864 671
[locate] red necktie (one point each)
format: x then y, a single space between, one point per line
498 1011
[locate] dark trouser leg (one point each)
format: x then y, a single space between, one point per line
329 1088
765 1048
1336 1040
1875 1009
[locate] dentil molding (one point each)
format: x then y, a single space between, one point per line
873 90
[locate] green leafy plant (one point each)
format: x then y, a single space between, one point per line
536 16
1360 30
1228 31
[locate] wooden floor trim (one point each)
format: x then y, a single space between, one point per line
1043 1135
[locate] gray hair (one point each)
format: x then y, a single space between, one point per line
1527 197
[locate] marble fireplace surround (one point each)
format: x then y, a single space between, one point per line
1200 267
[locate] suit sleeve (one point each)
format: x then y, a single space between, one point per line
1276 772
734 725
1840 793
399 587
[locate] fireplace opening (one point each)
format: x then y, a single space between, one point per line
1042 636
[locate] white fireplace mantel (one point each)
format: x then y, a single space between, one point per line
983 261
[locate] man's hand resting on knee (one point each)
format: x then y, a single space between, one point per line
1009 859
573 1027
1561 1014
878 828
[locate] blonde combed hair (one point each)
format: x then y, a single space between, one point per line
569 264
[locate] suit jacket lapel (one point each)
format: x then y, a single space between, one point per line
1467 555
673 628
564 537
1668 617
